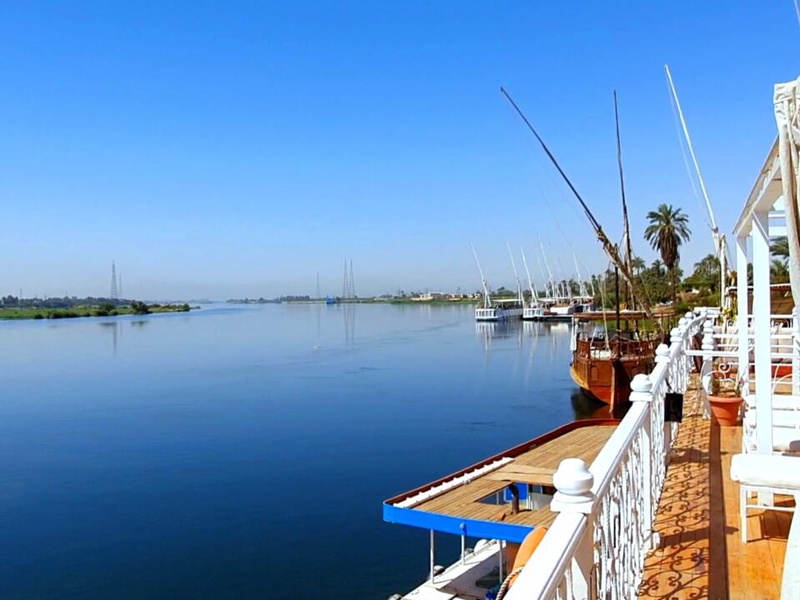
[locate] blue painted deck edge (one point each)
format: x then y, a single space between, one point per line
455 525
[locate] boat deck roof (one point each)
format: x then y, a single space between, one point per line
534 466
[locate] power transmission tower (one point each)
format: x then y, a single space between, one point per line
345 287
114 295
349 283
319 295
352 281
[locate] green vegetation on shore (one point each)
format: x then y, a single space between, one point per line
100 310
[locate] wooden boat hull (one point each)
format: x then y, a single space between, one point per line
605 372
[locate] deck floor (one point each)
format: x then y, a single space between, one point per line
465 500
701 554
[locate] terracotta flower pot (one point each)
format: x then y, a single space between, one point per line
725 409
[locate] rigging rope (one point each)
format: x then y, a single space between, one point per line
703 208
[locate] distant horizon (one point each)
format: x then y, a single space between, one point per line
395 292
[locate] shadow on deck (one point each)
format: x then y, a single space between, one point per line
700 554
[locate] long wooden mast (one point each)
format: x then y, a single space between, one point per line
608 247
719 238
626 223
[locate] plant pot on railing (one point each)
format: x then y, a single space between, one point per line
725 398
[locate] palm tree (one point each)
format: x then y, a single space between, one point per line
779 272
638 265
668 229
780 248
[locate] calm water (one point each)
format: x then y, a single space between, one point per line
243 452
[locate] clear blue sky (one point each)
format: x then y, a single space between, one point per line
229 149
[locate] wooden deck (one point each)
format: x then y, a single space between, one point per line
701 554
536 466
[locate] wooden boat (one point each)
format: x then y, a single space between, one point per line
603 367
500 499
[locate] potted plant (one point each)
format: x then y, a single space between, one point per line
725 398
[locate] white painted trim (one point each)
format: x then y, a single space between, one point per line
766 191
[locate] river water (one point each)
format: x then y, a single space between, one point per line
244 452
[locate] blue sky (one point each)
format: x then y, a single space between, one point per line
229 149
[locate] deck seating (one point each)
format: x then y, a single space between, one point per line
764 472
785 416
784 439
779 402
790 585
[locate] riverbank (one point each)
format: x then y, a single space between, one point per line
75 312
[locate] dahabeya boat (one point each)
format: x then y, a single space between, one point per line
603 364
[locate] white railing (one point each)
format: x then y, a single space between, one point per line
597 544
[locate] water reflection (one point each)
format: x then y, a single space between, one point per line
116 333
349 317
541 352
498 329
586 407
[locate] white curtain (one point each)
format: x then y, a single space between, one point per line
787 100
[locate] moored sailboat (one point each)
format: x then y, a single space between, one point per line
533 310
603 365
499 309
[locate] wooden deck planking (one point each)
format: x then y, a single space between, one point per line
464 501
701 554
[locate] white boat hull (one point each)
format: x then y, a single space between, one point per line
497 314
532 313
458 581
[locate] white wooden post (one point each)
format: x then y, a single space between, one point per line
642 391
761 328
741 306
708 365
795 352
573 483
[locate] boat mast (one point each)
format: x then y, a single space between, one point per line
608 247
486 300
516 277
534 296
626 223
719 239
549 273
581 283
544 277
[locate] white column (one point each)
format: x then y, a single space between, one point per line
741 308
761 329
708 365
795 351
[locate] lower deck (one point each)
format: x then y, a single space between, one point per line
485 494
